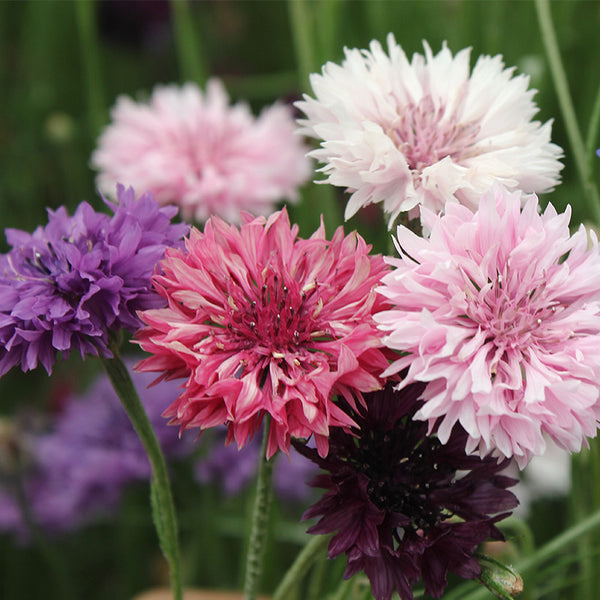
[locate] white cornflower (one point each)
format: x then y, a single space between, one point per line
427 131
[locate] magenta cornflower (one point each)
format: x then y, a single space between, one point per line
402 506
499 311
68 284
262 322
194 150
426 131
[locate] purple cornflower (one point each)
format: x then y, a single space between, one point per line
234 469
403 505
70 283
76 470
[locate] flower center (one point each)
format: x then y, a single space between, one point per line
511 312
402 470
424 137
279 315
40 265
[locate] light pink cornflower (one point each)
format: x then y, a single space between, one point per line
498 310
262 322
196 151
428 131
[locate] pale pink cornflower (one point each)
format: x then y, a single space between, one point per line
262 322
498 310
200 153
428 131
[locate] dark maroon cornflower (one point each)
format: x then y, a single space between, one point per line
67 285
403 505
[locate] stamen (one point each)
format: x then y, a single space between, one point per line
318 309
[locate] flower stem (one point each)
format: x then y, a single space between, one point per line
317 579
329 19
319 199
88 37
581 502
163 509
592 135
260 518
307 556
560 542
566 106
343 590
300 15
552 548
190 56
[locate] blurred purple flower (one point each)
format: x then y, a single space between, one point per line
79 468
233 470
66 285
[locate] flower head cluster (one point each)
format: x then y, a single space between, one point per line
78 469
197 152
402 505
499 311
262 322
428 131
66 285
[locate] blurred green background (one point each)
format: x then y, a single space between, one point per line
62 65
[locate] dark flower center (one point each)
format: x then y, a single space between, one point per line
401 466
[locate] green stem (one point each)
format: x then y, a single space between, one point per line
308 555
560 542
592 135
566 106
304 44
594 451
260 518
329 17
189 51
317 578
88 38
585 499
318 199
343 590
552 548
161 499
